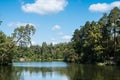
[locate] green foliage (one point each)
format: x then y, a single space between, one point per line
99 41
5 56
22 35
8 45
45 52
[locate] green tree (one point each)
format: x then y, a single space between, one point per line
5 56
44 51
98 41
106 34
22 35
8 44
114 22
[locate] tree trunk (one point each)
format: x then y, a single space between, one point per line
115 41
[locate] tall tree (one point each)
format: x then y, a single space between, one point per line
114 21
22 34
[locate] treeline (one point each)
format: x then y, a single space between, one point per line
94 42
45 52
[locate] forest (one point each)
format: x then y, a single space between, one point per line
94 42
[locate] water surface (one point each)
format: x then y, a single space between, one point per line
58 71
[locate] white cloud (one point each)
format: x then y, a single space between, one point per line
116 4
103 7
66 37
99 7
18 24
56 27
33 42
45 6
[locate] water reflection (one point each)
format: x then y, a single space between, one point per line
40 74
69 72
93 72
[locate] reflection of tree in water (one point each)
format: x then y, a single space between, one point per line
7 74
93 72
43 71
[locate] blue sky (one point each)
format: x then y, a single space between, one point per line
55 20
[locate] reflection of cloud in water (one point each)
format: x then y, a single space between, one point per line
64 78
27 75
40 64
